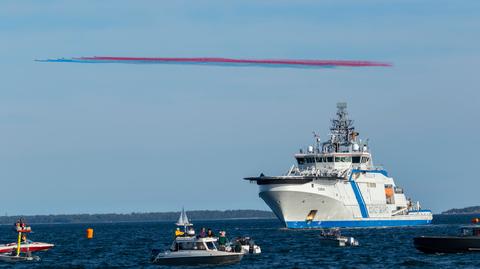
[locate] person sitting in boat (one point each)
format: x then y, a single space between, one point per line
178 232
222 240
238 247
210 233
202 234
191 231
24 239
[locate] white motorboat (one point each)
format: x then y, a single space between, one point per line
188 249
333 237
247 244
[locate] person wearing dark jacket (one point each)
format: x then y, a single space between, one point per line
210 233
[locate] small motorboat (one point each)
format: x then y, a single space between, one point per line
23 248
26 246
188 249
247 245
334 237
467 241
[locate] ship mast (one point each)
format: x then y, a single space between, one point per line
342 132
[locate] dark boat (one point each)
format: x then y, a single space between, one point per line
468 241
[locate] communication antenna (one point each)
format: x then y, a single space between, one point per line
341 106
317 140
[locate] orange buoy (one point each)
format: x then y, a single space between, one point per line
89 233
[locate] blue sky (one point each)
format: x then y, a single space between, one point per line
78 138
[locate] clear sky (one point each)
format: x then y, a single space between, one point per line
89 138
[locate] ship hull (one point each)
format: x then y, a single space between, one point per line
293 203
363 223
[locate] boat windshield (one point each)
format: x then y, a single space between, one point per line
211 245
185 246
200 246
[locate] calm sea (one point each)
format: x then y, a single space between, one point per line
128 245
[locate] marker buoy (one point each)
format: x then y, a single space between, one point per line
89 233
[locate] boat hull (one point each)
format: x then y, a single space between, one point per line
26 247
13 258
209 259
447 244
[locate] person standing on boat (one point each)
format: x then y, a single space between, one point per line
222 240
191 231
178 232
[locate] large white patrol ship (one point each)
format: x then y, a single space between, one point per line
335 184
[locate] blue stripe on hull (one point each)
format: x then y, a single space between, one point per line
359 197
354 223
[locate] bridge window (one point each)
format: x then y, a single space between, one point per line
365 159
356 159
343 159
329 159
319 159
301 160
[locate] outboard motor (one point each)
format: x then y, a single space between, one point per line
155 253
352 242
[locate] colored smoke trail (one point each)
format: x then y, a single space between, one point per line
289 63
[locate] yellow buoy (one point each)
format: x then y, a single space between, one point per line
89 233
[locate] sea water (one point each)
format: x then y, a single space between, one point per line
128 245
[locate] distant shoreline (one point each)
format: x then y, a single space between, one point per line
462 211
194 215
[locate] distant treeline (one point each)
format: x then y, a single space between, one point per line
466 210
142 217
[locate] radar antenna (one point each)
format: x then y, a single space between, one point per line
342 132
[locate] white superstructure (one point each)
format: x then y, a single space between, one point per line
335 184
